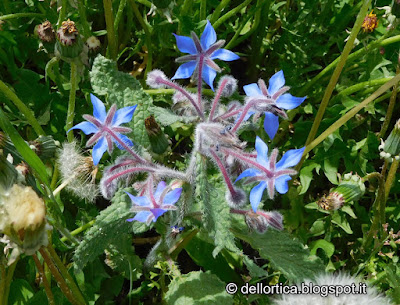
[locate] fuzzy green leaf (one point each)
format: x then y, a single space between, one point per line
216 213
284 253
196 288
110 224
123 90
166 117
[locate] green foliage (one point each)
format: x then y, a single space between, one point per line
123 90
197 288
166 117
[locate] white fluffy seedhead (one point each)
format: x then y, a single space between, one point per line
229 84
154 79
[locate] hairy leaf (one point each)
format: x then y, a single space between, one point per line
166 117
197 288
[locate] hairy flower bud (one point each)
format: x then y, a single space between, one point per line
159 143
391 147
154 78
69 42
261 220
228 84
236 199
44 147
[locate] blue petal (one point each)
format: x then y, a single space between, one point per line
271 124
123 115
185 70
290 158
208 37
276 82
262 152
142 216
250 172
185 44
225 55
288 101
209 76
173 197
246 117
160 187
281 184
139 200
256 195
252 90
86 127
157 213
99 110
125 139
98 150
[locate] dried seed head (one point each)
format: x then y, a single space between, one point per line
67 33
46 32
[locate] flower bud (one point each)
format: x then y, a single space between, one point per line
154 78
391 147
236 199
46 32
370 23
93 44
44 147
260 221
69 43
159 143
229 84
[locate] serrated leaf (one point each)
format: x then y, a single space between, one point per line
216 213
284 253
196 288
254 269
110 224
123 90
167 117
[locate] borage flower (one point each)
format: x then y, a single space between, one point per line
105 127
202 52
273 175
151 207
274 99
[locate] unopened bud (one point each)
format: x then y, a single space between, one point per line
261 220
93 44
229 84
391 147
154 79
69 42
46 32
44 147
236 199
159 143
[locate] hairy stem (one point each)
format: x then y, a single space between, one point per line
112 42
63 12
216 100
225 174
391 177
83 19
43 278
71 103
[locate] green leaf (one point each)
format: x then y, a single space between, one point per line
285 253
196 288
110 223
123 90
25 151
327 246
201 253
20 292
340 220
306 176
120 256
167 117
216 213
254 269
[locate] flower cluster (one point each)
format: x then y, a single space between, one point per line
216 137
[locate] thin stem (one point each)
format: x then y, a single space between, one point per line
118 17
63 12
8 279
79 230
148 32
173 267
70 281
57 276
20 15
22 108
52 71
128 172
390 108
83 19
216 100
335 76
185 93
71 103
230 14
381 42
207 92
218 10
340 122
225 174
243 114
237 211
200 83
2 282
112 42
203 4
391 176
46 284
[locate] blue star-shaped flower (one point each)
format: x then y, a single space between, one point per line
273 175
275 98
105 127
202 54
151 207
